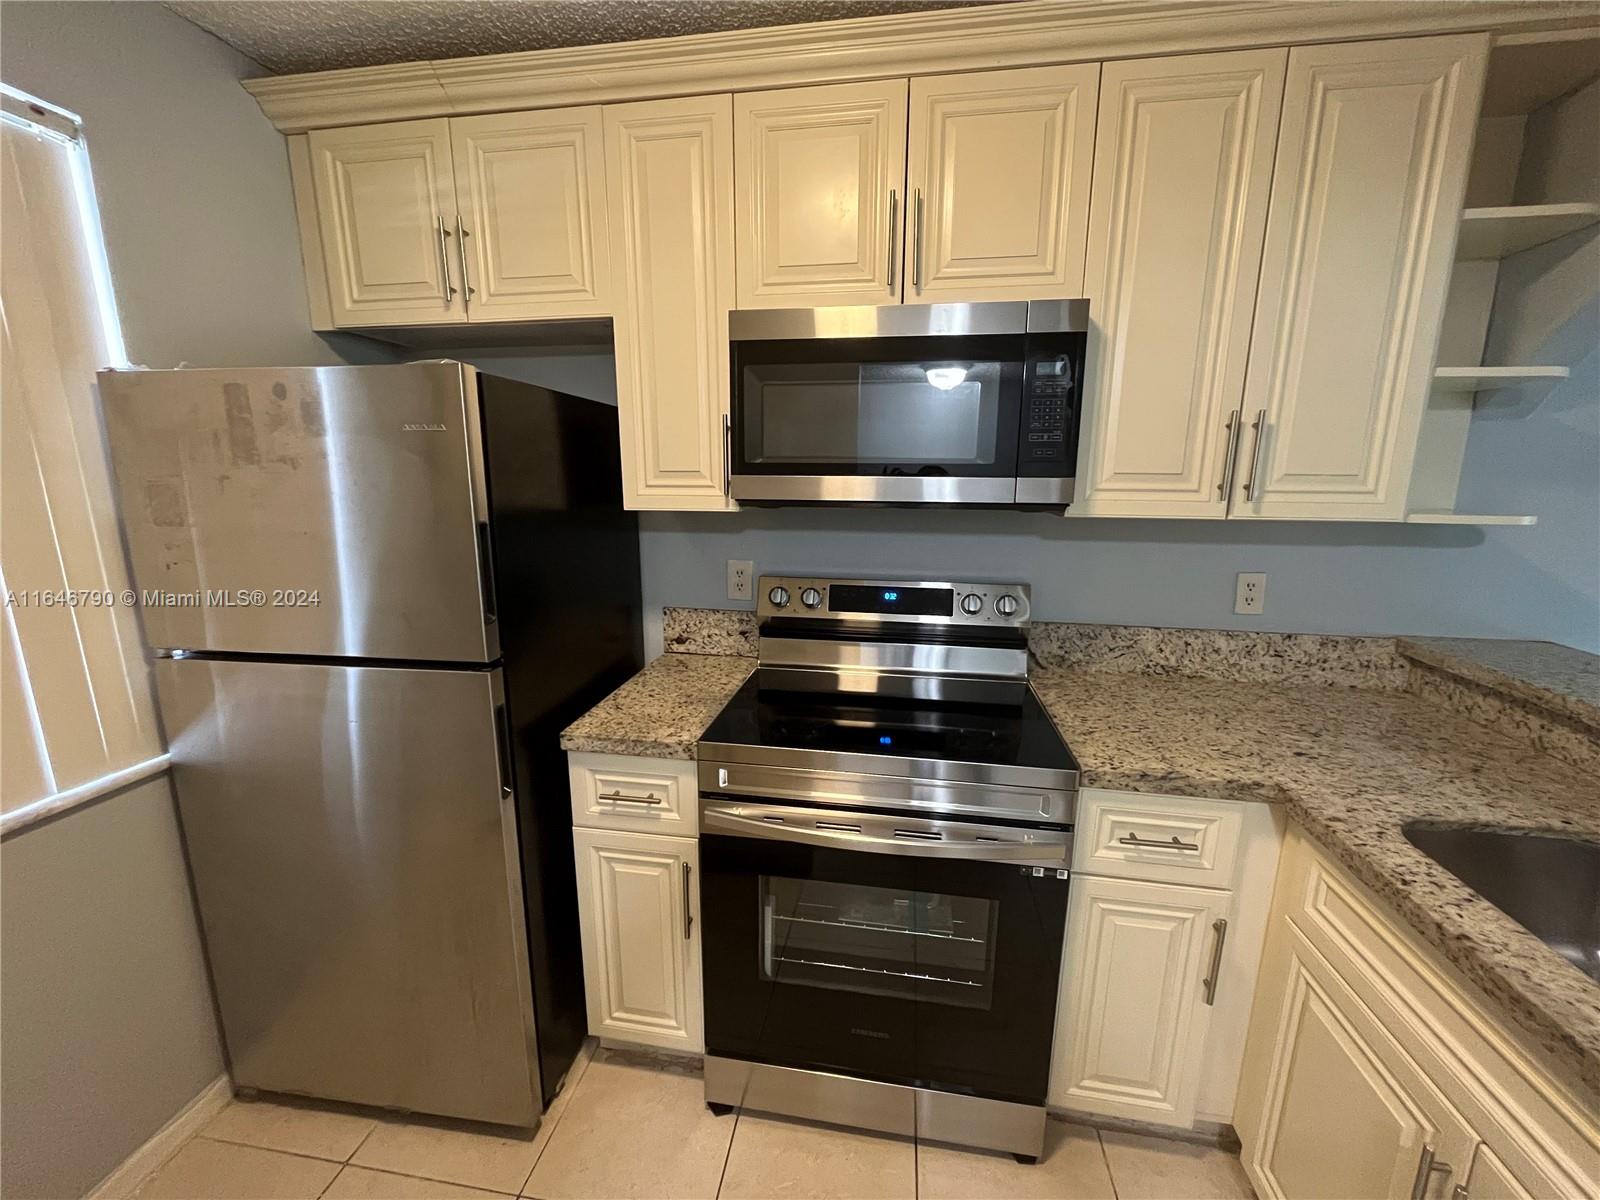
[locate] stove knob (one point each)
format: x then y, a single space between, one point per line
1006 605
779 596
810 597
972 604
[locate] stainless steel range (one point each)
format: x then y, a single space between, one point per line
886 823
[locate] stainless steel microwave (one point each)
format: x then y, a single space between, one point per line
974 404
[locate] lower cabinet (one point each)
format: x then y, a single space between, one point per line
639 915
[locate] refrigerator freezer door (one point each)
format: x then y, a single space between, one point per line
333 511
356 866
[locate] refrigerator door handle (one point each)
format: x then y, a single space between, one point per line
486 574
502 749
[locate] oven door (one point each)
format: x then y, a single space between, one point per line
889 954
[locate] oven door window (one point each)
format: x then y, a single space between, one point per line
919 946
872 406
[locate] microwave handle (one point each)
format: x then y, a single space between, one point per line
727 455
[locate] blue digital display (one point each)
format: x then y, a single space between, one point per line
891 596
885 740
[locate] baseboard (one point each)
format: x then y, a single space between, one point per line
164 1143
1203 1133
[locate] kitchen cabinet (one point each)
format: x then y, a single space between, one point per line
637 916
386 214
450 221
819 174
999 171
1182 170
670 192
1351 1004
1366 202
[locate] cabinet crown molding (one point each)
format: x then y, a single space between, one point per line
1029 33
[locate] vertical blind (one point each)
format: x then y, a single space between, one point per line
74 695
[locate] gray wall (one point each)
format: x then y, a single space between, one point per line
107 1014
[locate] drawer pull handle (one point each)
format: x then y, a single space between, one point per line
688 912
647 798
1426 1166
1209 983
1133 839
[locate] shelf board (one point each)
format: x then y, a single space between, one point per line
1428 516
1483 379
1492 233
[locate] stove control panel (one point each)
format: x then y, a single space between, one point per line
921 602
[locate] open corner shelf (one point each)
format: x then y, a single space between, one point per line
1493 233
1482 379
1439 517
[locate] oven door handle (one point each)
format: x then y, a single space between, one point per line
1050 848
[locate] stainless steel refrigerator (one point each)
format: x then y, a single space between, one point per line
374 596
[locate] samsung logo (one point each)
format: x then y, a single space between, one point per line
422 427
871 1033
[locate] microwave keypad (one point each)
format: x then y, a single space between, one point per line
1045 434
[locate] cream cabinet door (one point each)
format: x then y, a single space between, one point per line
639 921
999 170
1132 1014
1182 169
386 210
1366 201
819 174
533 214
670 192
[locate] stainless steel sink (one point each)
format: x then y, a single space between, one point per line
1549 884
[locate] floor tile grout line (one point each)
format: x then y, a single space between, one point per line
1105 1157
428 1179
568 1092
211 1137
728 1153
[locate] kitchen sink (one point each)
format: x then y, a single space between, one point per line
1548 883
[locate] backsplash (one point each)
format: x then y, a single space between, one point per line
708 631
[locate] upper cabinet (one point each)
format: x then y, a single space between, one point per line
670 164
1366 201
495 218
819 174
1183 166
999 175
386 214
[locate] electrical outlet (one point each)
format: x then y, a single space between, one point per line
1250 593
741 579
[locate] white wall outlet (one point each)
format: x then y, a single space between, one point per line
1249 593
741 579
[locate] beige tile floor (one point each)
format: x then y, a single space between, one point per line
635 1125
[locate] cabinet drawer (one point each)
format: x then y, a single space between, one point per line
645 795
1172 839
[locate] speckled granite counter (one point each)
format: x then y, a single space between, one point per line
1352 766
662 711
1555 677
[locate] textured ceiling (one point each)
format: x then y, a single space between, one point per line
318 35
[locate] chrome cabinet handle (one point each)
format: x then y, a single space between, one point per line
727 455
688 917
444 265
461 253
647 798
1220 928
894 220
1459 1192
1133 839
916 247
1229 454
1426 1166
1260 427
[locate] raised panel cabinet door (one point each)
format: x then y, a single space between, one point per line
1182 170
1366 201
670 192
819 179
1133 1014
386 209
533 214
638 920
999 170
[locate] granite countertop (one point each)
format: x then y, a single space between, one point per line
662 711
1351 766
1554 677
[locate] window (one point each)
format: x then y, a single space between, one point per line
75 703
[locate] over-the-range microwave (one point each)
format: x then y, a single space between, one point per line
974 404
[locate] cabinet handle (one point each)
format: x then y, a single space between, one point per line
1260 427
727 455
1426 1166
647 798
1459 1192
1133 839
688 916
1220 928
916 246
894 220
1230 452
461 252
444 265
